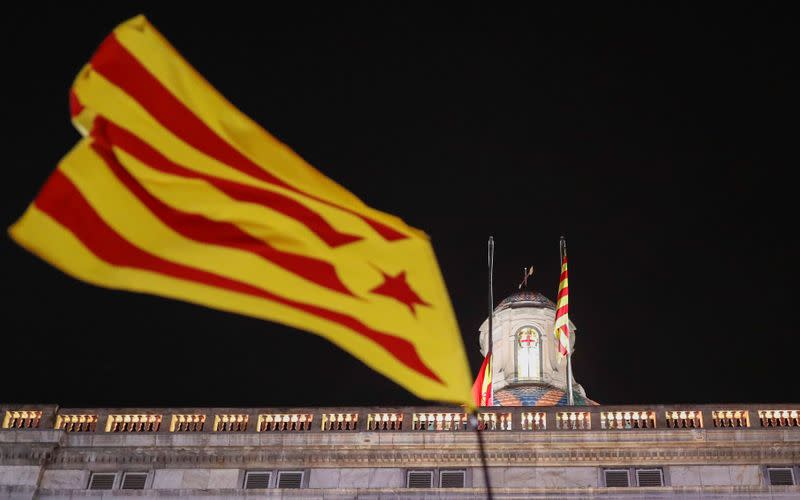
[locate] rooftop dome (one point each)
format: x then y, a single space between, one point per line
525 298
537 395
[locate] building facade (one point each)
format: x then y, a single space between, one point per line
535 445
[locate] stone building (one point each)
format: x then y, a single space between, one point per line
536 445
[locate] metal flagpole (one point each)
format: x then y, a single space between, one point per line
569 377
475 418
571 401
490 347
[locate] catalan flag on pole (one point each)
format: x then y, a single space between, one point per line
173 191
561 326
482 393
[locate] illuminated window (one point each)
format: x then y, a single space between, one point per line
339 421
187 423
22 419
76 423
284 422
133 423
529 353
385 421
236 422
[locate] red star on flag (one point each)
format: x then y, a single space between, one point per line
397 288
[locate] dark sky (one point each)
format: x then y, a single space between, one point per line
657 138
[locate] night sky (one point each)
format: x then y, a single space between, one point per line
660 140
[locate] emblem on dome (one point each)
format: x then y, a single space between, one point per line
528 337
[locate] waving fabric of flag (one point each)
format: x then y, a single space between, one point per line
561 326
482 393
173 191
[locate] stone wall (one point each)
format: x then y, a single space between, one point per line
719 457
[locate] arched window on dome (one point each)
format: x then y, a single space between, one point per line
529 353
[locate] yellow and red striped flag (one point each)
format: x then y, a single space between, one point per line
561 326
173 191
482 393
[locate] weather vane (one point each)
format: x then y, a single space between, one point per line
526 273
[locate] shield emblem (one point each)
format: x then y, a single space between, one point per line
527 338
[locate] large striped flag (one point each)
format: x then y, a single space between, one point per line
174 192
561 326
482 393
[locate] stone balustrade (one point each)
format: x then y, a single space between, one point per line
731 418
495 421
22 419
439 421
339 422
187 423
779 418
682 419
533 421
573 420
285 422
133 422
434 419
636 419
76 423
231 422
391 421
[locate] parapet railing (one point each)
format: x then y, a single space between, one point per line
640 418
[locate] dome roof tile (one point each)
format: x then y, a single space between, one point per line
525 298
537 395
